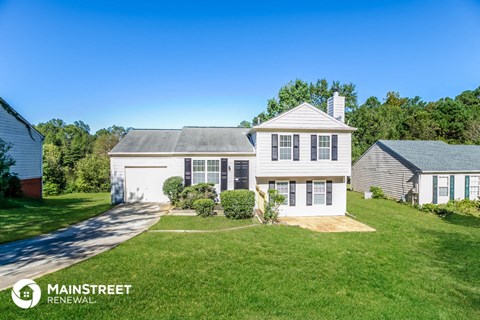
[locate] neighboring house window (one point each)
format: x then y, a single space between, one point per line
211 174
282 188
198 171
319 192
474 187
443 187
213 171
324 147
285 147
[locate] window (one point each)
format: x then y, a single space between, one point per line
443 186
282 188
474 187
211 174
198 171
319 191
324 147
213 171
285 147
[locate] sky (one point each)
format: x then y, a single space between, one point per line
155 64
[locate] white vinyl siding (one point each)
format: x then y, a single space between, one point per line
319 192
282 188
324 147
474 187
285 147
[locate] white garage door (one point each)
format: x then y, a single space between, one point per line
145 184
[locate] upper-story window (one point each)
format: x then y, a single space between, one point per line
209 173
324 147
285 147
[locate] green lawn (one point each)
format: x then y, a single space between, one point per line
34 217
199 223
416 266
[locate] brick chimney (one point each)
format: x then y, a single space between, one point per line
336 106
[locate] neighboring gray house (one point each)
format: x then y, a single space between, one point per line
26 149
303 153
422 171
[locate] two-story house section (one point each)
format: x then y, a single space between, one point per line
305 154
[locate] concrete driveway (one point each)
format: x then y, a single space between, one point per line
37 256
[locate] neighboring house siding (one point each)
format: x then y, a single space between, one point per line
339 195
26 151
305 167
174 166
426 186
379 168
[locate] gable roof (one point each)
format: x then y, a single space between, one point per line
435 156
305 117
185 140
19 118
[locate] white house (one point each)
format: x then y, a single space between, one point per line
422 171
304 153
26 149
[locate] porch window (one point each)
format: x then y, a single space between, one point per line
443 186
474 187
285 147
282 188
319 192
209 173
324 147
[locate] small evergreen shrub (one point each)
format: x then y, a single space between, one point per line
204 207
466 207
377 193
172 187
196 192
238 204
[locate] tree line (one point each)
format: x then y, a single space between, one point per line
453 120
75 160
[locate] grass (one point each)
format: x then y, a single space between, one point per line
27 218
416 266
199 223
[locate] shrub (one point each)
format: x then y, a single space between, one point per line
93 174
238 204
14 187
377 193
172 187
204 207
196 192
273 205
51 189
468 207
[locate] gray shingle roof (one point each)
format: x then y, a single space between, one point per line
435 156
186 140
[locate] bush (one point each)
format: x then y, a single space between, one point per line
14 187
172 187
51 189
468 207
93 174
196 192
204 207
238 204
273 205
377 193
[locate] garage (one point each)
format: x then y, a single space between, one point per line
144 184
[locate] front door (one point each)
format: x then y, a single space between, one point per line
241 174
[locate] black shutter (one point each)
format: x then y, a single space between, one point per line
309 193
314 148
274 147
271 186
188 171
334 147
292 193
296 147
435 189
224 175
329 192
452 187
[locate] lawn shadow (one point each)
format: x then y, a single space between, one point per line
463 220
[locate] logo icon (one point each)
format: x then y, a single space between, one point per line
26 293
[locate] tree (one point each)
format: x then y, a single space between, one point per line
54 180
93 174
245 124
106 139
6 162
